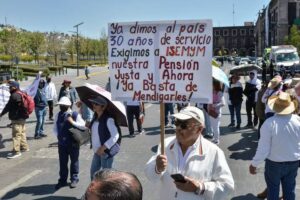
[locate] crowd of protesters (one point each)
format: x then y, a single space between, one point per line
273 106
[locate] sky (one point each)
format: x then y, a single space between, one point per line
62 15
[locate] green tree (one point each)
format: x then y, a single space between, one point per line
24 42
294 37
85 48
37 45
54 45
103 47
71 48
9 42
95 45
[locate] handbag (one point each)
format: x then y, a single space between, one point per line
80 136
113 150
212 112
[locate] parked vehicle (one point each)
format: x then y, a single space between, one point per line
252 59
237 60
283 57
244 61
259 61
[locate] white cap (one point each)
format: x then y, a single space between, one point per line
64 101
190 112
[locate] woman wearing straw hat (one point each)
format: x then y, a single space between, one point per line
279 146
274 87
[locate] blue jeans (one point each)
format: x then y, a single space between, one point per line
100 162
235 109
40 117
284 172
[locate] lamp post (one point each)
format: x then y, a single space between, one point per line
77 46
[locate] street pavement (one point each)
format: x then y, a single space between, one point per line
34 175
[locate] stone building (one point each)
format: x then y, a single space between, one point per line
274 22
234 40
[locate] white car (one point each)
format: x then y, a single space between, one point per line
244 61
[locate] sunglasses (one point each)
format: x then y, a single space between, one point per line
95 104
181 124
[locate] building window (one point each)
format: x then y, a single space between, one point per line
243 32
225 32
217 32
251 32
234 32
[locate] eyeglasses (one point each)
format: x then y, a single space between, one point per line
181 124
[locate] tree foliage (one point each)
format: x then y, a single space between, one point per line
54 46
294 37
37 46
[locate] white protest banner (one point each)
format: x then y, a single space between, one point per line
32 88
4 95
163 61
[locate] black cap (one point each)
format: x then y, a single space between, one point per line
14 84
99 100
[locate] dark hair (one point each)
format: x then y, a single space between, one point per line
217 86
118 185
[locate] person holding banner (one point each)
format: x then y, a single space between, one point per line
199 166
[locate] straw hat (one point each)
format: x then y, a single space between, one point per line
282 104
274 83
294 82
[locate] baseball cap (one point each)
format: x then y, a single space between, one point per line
190 112
14 84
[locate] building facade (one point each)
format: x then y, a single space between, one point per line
234 40
274 22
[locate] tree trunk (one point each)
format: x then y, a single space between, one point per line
55 59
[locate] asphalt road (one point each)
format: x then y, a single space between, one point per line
34 175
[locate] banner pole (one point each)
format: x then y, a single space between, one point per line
162 128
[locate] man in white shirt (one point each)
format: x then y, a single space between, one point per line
51 95
279 145
202 164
